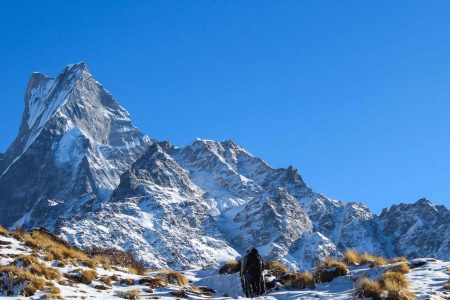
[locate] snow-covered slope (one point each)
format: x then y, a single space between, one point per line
81 169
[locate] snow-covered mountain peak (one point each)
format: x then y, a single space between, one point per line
75 139
80 168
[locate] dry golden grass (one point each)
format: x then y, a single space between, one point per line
172 277
365 258
330 269
114 277
368 288
393 281
352 257
231 266
18 276
448 269
301 280
400 268
82 276
25 260
55 290
402 294
379 261
275 268
52 247
152 282
90 263
49 257
119 258
127 281
447 287
372 260
106 280
132 294
87 276
104 261
133 271
3 231
49 273
101 287
63 282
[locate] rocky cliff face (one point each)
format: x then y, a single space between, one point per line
80 168
74 142
418 229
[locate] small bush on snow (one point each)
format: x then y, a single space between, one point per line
401 294
330 269
230 267
132 294
352 257
368 288
298 280
127 281
400 268
393 281
3 231
275 268
172 277
13 279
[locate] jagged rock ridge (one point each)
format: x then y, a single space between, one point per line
80 168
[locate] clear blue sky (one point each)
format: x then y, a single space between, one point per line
355 94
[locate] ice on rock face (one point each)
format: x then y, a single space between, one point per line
70 148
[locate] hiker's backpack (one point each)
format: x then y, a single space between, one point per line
254 264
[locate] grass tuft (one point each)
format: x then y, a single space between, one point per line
3 231
401 294
87 276
352 257
230 267
275 268
21 281
49 273
114 277
25 261
118 258
300 280
400 268
132 294
105 280
173 277
127 281
82 276
368 288
393 281
330 269
152 282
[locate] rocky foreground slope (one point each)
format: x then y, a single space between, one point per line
81 169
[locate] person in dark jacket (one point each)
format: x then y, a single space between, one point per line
252 278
